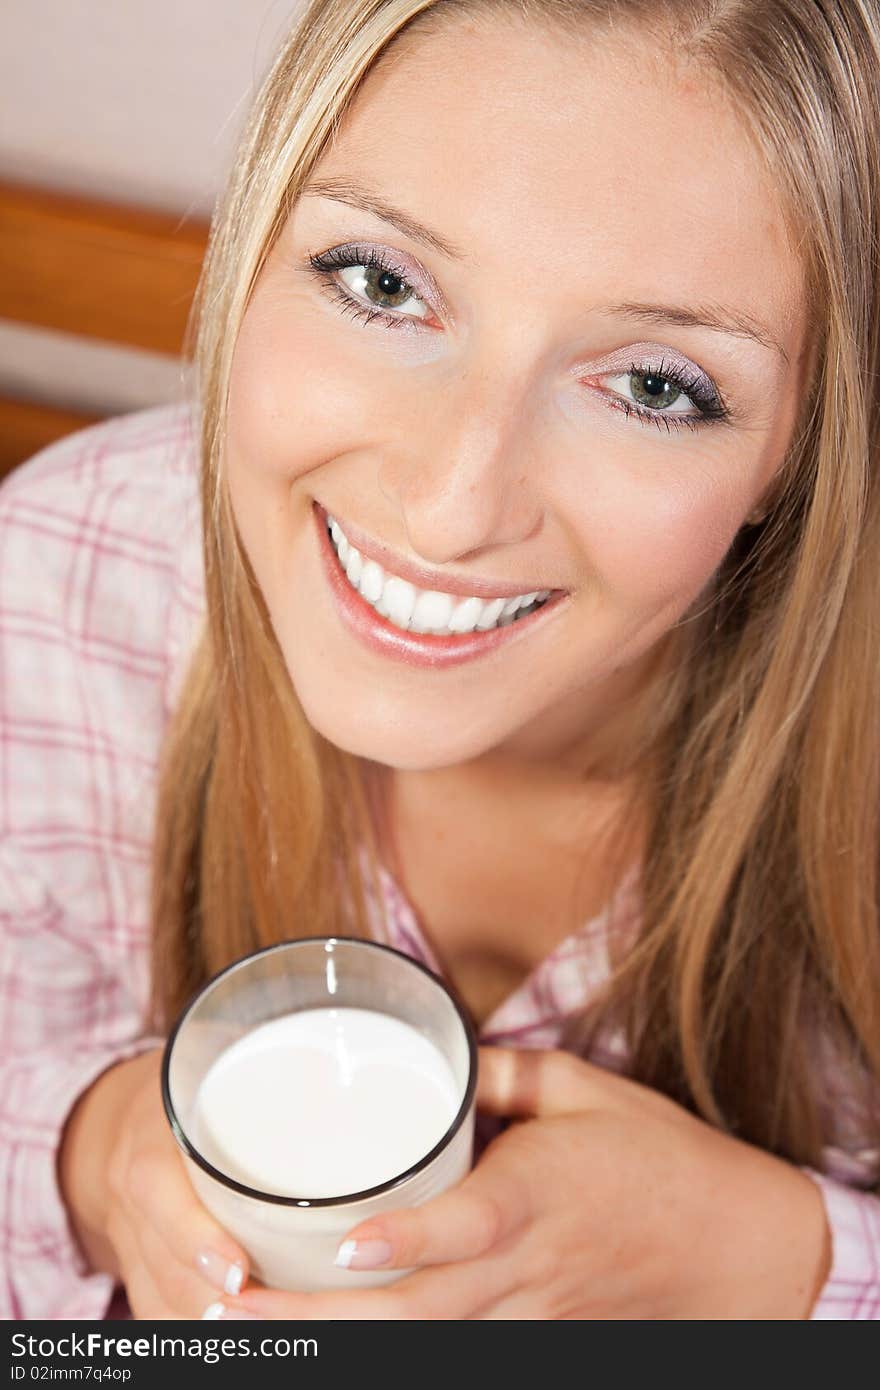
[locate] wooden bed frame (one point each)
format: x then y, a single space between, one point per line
95 270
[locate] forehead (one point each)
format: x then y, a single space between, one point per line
603 154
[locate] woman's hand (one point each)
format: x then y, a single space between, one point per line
607 1201
132 1204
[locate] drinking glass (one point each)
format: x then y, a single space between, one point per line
292 1241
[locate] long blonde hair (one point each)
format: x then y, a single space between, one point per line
759 883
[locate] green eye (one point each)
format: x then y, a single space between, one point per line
666 396
649 389
380 287
366 287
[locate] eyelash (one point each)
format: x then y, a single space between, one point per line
698 391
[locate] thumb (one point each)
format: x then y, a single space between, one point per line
460 1224
526 1082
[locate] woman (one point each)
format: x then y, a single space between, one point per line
566 309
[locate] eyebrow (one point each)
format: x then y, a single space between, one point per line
709 316
719 320
345 190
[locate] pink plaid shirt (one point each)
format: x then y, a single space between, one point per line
100 600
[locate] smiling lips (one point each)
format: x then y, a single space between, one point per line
425 610
427 626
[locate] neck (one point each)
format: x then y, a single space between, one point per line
591 785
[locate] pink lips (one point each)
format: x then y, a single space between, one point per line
416 648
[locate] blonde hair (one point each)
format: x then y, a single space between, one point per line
761 776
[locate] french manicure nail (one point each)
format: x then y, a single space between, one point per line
363 1254
219 1272
217 1311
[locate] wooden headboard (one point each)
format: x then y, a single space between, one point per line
119 274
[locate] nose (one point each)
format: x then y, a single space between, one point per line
461 478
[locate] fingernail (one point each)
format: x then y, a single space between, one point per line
363 1254
219 1272
217 1311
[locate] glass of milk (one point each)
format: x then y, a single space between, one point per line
314 1084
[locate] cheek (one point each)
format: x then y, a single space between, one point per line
293 403
653 543
291 411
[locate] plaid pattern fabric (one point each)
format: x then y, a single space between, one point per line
100 602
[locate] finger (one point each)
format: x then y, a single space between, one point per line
159 1195
366 1305
530 1082
181 1287
490 1205
456 1291
144 1298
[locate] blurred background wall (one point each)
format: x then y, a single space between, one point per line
130 102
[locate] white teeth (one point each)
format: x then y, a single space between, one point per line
353 567
423 610
465 615
399 600
490 614
432 612
372 580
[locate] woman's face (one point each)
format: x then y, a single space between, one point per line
580 377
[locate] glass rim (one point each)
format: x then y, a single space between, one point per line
348 1198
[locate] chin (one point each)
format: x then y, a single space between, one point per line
399 744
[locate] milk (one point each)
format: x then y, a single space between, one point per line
324 1102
